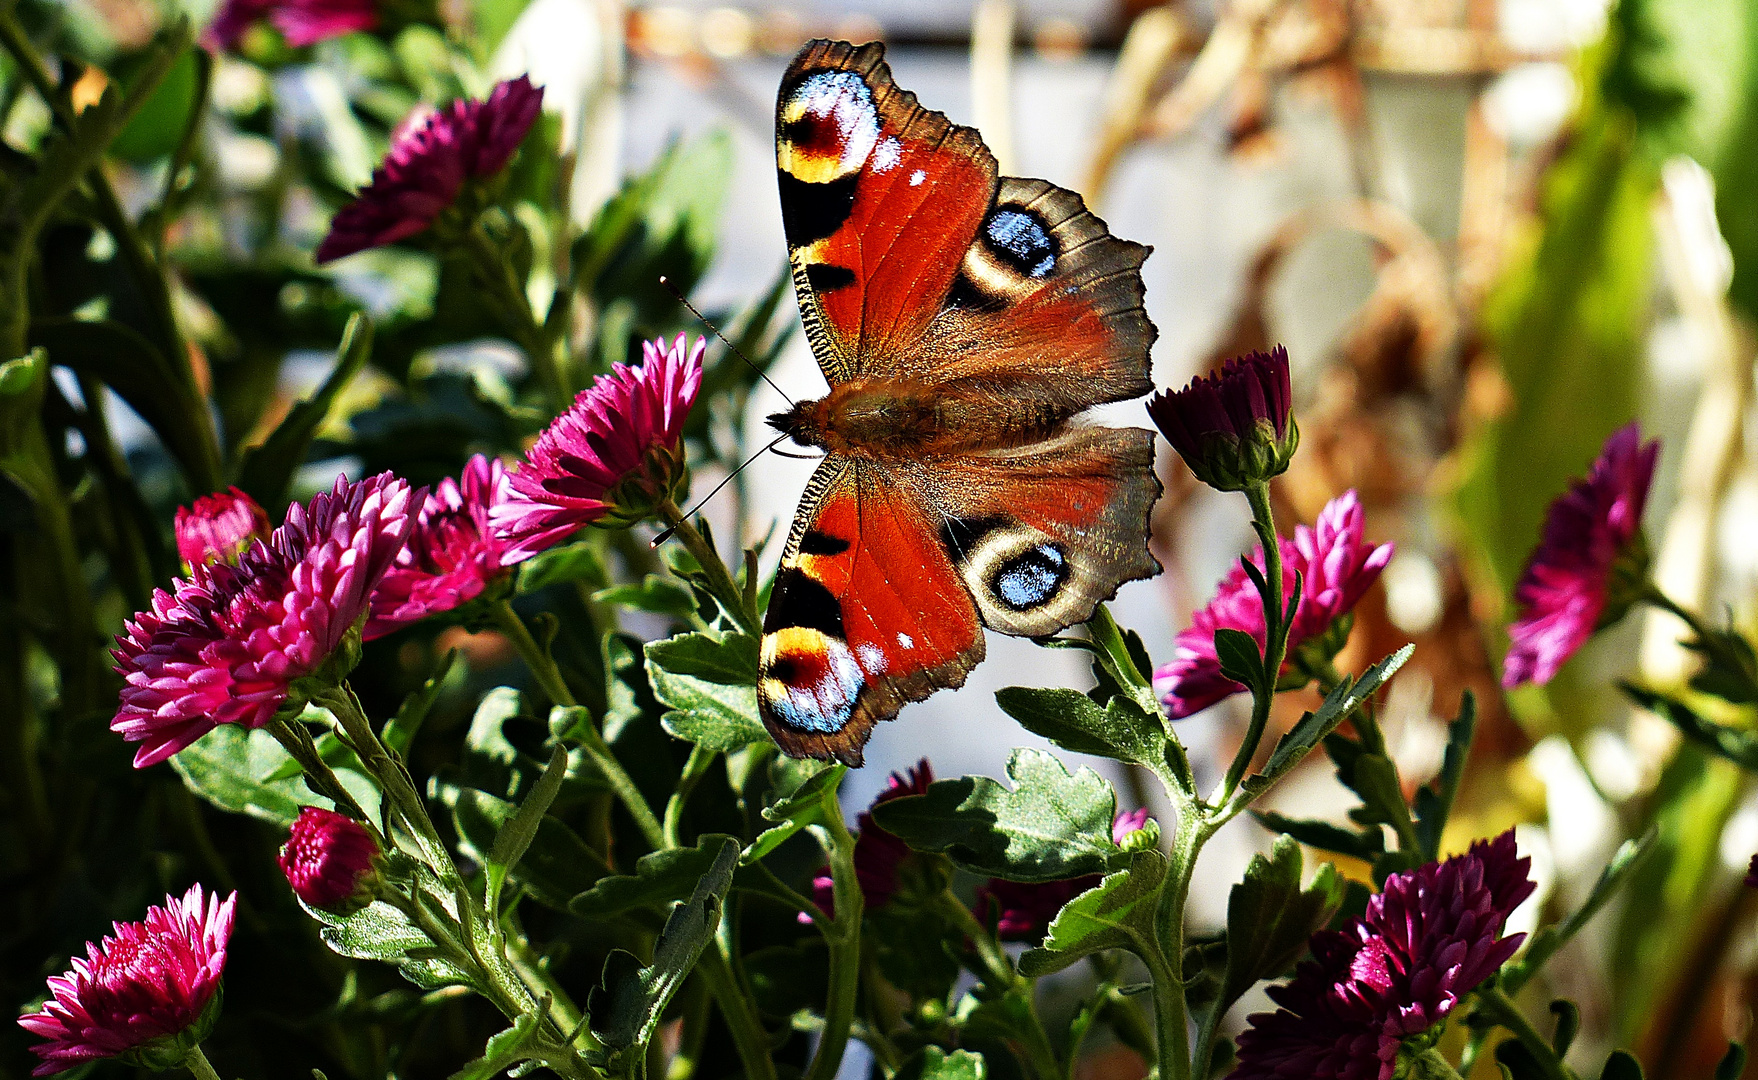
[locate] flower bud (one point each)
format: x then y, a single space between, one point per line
331 861
1234 428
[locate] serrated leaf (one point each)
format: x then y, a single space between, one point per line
1312 728
504 1050
1270 917
1738 746
626 1005
1075 722
1050 827
381 932
1117 913
1325 836
567 563
1434 802
708 681
660 878
267 470
933 1063
809 804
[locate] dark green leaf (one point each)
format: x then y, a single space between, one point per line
1117 913
556 867
1738 746
1270 917
1435 801
1518 1063
1732 1064
1568 1025
578 561
916 949
1073 721
1730 670
661 878
267 470
933 1063
400 730
659 595
226 767
1621 1065
1375 779
1323 835
786 980
1050 827
1343 700
708 681
515 836
164 114
504 1050
809 804
1241 658
626 1005
381 932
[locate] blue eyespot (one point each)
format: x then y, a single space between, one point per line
1021 240
1031 578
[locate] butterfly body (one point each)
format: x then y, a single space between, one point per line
964 321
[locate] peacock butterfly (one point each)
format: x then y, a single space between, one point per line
963 320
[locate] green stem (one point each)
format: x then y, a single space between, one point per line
199 1065
700 758
1710 640
738 1012
1494 1003
844 940
537 658
1275 638
394 780
294 739
1430 1065
1113 654
1172 1035
1033 1047
720 581
496 273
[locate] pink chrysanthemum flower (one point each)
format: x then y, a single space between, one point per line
452 554
1428 939
1586 571
429 165
1235 427
611 458
1338 567
330 860
218 528
142 994
226 645
1023 910
301 22
878 854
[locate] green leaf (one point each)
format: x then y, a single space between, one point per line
556 866
227 767
933 1063
165 114
1368 845
1732 1064
708 682
1075 722
810 804
1309 730
1241 659
504 1050
1734 164
516 834
1375 779
578 561
1738 746
659 595
400 730
1568 1025
1270 917
1117 913
661 878
1621 1065
1544 944
915 948
381 932
626 1005
493 19
1434 802
266 471
1050 827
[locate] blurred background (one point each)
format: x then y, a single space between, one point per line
1489 234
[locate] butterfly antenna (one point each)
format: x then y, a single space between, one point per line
682 299
666 535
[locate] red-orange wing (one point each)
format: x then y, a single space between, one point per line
867 613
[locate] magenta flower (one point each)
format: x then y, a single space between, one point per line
330 860
1428 939
878 854
1023 910
1338 568
142 994
1592 561
301 22
428 167
452 554
218 528
226 645
1236 427
611 458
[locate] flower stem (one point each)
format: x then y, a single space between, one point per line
1711 641
719 581
1494 1003
1033 1047
740 1015
199 1065
844 939
700 758
1263 520
1170 1015
543 666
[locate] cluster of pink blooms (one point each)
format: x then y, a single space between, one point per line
1337 567
1588 564
143 994
1428 938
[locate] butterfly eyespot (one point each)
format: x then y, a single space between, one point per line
1021 240
829 128
1030 579
811 680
